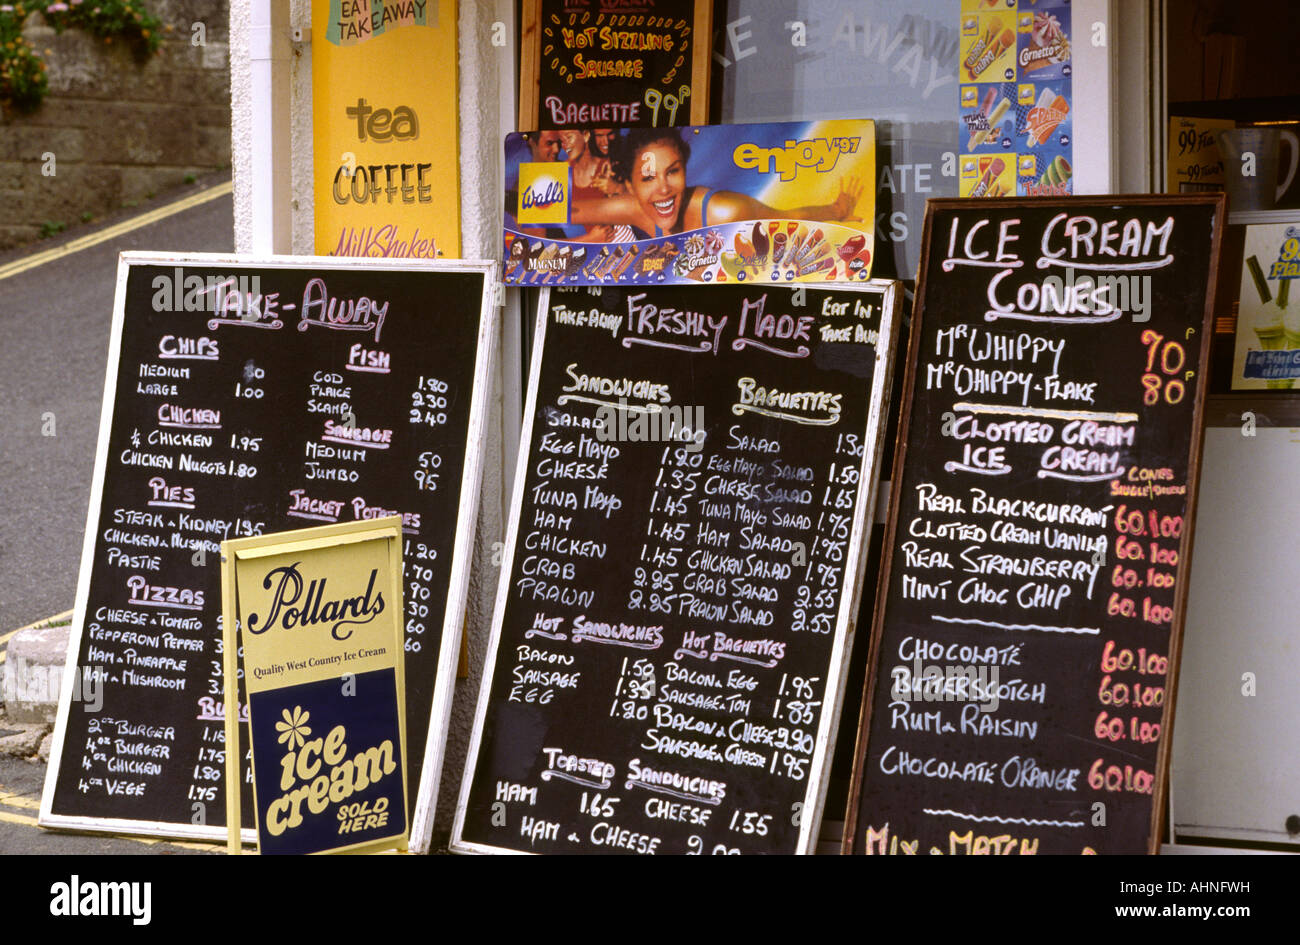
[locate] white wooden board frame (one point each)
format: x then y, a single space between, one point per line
462 555
890 292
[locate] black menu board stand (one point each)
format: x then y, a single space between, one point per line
1024 655
682 570
249 396
595 64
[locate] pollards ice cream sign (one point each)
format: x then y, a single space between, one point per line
320 614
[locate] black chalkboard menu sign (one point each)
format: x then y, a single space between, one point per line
1026 636
612 64
245 397
682 570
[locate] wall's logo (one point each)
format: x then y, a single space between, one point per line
543 193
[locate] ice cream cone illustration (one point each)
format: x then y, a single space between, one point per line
1266 317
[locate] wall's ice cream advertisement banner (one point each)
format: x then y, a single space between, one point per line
320 616
384 133
785 202
1267 354
1018 106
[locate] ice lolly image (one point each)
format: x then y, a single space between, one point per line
518 250
995 119
828 263
1003 43
563 258
760 245
540 269
980 45
597 262
986 105
602 270
575 263
1057 173
996 167
779 243
734 267
1046 116
530 263
744 250
811 248
796 244
627 260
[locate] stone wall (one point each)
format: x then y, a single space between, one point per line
120 130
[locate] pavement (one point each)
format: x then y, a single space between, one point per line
56 308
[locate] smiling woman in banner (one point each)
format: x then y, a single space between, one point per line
652 163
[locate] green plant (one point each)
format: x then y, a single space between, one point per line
87 217
23 81
190 179
50 227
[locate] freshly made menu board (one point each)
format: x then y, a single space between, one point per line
246 397
1025 645
611 64
682 570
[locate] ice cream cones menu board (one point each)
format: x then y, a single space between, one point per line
246 397
384 132
317 615
1015 89
1025 649
784 202
612 64
1267 351
681 572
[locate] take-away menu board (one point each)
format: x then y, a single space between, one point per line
682 570
246 397
1026 636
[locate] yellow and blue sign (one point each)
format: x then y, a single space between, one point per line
767 203
319 613
543 193
384 131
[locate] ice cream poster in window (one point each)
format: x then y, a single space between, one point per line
988 116
988 42
1043 140
1267 350
1043 40
987 176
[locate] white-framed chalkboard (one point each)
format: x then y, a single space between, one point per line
251 395
677 601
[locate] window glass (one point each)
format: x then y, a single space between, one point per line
896 63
